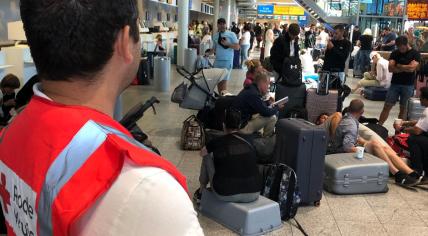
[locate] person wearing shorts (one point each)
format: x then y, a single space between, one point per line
403 63
225 42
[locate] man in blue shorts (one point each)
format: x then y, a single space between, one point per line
403 63
225 42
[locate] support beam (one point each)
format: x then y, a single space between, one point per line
228 2
183 30
216 15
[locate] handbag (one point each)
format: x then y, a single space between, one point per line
179 93
192 134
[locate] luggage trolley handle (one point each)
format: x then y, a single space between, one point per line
137 112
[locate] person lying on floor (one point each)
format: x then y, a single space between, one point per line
229 165
346 139
256 113
379 76
418 140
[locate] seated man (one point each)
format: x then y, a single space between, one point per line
418 140
379 76
346 139
204 61
256 113
8 86
229 165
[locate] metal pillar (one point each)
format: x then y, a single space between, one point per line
183 30
216 15
228 2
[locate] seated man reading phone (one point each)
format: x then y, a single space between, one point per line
257 114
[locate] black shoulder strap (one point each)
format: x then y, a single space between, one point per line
245 141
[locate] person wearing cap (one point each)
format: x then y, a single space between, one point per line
225 42
379 76
362 59
403 63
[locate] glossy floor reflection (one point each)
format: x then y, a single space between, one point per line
398 212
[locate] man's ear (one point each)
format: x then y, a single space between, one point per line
123 45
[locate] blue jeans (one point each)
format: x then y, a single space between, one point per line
362 62
399 92
244 53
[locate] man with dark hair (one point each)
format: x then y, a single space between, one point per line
418 140
258 31
78 171
285 46
235 29
388 40
310 37
403 63
229 164
346 139
356 34
8 85
337 53
225 42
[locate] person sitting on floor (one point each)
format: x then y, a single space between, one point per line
8 85
256 113
379 76
418 140
204 61
346 139
229 164
254 66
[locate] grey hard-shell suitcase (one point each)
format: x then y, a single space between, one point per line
302 146
414 109
346 174
318 104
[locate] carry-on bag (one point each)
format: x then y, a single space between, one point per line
375 93
318 104
296 97
192 134
302 146
237 59
414 109
346 174
291 72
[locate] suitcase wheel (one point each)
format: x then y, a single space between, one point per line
317 203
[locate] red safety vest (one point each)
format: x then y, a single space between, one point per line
57 160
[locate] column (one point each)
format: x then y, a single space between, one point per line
228 2
216 15
183 30
140 8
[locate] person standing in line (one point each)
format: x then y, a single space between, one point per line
224 43
245 43
388 40
403 63
362 59
259 34
323 38
269 38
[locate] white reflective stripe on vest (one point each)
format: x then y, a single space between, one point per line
86 141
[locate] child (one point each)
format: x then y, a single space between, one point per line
254 66
8 86
203 61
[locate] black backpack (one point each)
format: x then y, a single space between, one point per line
291 73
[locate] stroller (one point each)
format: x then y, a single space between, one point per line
200 92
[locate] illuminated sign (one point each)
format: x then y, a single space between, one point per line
417 9
265 9
288 10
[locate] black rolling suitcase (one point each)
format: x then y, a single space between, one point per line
296 99
143 73
302 146
236 59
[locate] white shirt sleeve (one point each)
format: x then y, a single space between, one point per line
142 201
423 121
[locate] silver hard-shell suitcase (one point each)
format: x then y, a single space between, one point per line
345 174
414 109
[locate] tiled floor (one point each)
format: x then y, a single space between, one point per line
398 212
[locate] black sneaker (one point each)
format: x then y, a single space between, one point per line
197 196
424 181
409 180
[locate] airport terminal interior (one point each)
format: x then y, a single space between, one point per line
398 209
